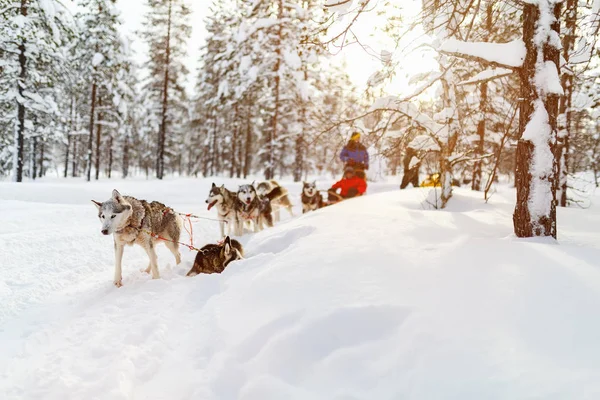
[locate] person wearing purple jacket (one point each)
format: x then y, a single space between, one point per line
355 155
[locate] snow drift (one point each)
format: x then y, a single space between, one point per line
373 298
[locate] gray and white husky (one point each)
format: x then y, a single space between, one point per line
131 221
282 201
225 201
250 207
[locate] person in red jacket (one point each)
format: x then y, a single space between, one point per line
350 185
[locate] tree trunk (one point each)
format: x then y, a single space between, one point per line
67 155
32 162
125 156
160 157
110 156
247 158
75 157
270 170
98 138
20 131
41 171
565 113
531 218
449 99
477 165
234 142
214 167
88 165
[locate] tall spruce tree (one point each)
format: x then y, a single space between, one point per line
32 36
166 30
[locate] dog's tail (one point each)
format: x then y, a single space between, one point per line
276 193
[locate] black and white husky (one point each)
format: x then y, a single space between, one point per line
255 209
311 198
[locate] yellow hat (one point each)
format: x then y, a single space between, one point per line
355 136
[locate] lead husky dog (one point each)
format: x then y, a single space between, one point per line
130 220
252 208
225 202
311 198
282 202
213 258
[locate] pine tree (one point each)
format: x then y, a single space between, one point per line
166 31
99 56
31 40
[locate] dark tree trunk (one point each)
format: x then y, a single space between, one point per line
33 161
75 157
125 156
248 155
214 167
110 156
69 136
41 171
299 159
98 138
20 105
234 143
88 165
67 155
524 223
162 134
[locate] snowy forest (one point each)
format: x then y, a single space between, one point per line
502 90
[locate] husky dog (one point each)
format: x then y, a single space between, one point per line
130 220
282 202
252 208
225 201
213 258
311 198
247 208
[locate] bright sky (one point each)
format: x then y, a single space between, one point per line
360 65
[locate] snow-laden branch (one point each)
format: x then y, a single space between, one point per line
486 76
506 55
392 103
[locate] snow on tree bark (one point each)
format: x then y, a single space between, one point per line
536 168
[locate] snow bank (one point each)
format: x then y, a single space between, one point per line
373 298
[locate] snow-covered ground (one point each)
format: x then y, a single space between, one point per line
374 298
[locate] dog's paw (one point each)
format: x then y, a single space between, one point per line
118 283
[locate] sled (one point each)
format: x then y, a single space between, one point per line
334 198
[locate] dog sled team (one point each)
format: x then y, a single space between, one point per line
133 221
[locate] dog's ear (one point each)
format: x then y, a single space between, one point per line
98 204
223 186
253 182
116 195
227 246
213 185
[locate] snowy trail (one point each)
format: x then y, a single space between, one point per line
372 298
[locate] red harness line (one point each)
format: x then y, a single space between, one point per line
190 231
154 235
